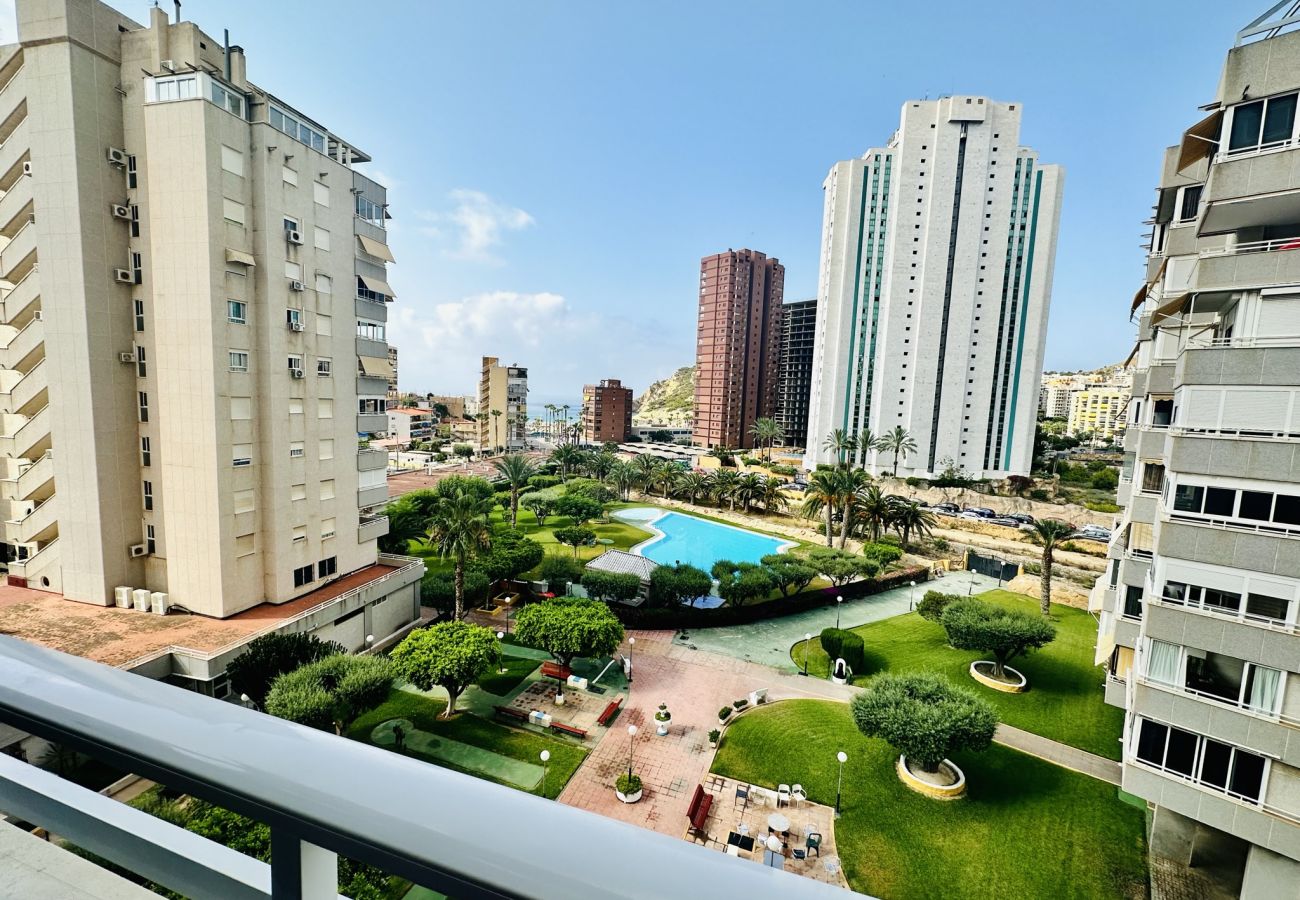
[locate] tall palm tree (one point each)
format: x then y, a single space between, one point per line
820 497
665 475
1049 534
766 431
842 443
459 529
496 430
644 466
866 443
897 441
873 509
623 477
599 464
550 417
724 486
565 457
516 469
749 487
911 517
856 503
693 485
565 430
773 496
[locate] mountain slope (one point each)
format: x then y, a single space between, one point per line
667 402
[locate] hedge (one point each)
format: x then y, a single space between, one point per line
933 604
841 643
694 617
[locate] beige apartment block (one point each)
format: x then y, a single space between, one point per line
193 325
502 407
1097 411
1200 606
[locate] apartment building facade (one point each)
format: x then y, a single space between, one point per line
1199 624
408 423
738 346
502 407
933 292
1097 411
606 412
193 319
794 374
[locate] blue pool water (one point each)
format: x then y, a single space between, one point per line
701 543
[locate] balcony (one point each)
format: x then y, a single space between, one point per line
1245 362
320 795
1236 544
15 204
40 524
29 395
18 298
1251 211
1116 691
1269 642
372 496
19 255
372 423
29 440
1257 264
32 569
370 460
372 349
1273 735
371 528
1241 176
37 480
21 347
15 147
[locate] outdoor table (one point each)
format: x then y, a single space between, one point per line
778 822
740 842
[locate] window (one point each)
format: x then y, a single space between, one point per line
135 220
1262 123
237 312
302 574
144 406
369 406
137 268
238 361
150 540
242 455
288 176
327 567
146 455
233 210
298 492
182 87
1203 761
148 495
324 367
140 367
370 330
299 131
320 193
293 271
292 318
232 160
132 174
1191 202
290 224
373 212
139 315
326 531
327 489
325 408
244 545
323 284
327 448
1153 477
295 406
300 534
295 449
320 239
295 364
324 325
228 100
1132 602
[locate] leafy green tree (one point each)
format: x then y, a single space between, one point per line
882 554
332 691
841 566
515 469
660 436
464 451
898 442
268 657
451 655
840 643
438 590
569 627
790 574
674 585
575 536
610 585
579 508
511 555
1048 534
541 503
934 603
556 569
924 717
455 485
1004 633
406 523
459 529
741 582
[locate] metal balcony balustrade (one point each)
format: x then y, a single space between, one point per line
322 795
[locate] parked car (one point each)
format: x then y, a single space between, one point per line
1023 518
982 511
1004 520
971 514
1096 534
948 509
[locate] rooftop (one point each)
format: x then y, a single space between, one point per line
115 636
620 562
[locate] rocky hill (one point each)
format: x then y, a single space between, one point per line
667 402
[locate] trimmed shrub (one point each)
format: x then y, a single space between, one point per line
628 784
724 713
556 569
933 604
1004 633
539 482
610 585
924 717
913 481
842 643
740 704
882 553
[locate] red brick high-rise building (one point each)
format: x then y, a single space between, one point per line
738 346
606 412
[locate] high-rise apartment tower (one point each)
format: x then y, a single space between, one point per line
794 380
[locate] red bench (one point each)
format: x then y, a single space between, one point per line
611 710
555 670
698 811
510 712
568 729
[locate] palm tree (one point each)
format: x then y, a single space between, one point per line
773 496
840 442
666 475
496 430
820 497
565 430
856 502
550 417
872 508
724 486
766 431
598 464
693 485
749 487
897 441
516 469
1049 534
866 443
459 528
565 456
910 516
623 477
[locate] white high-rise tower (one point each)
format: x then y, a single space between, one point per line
935 281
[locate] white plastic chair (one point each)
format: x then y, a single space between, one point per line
782 795
797 794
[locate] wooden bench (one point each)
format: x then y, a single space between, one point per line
510 712
611 710
698 811
568 729
555 670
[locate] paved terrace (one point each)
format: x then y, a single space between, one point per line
115 636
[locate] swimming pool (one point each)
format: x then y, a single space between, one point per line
699 542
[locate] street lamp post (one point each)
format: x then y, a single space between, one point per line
631 642
807 648
839 602
911 596
970 584
631 736
501 639
546 757
839 787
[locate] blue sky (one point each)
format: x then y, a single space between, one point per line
558 169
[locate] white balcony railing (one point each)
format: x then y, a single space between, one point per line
321 796
1237 705
1235 615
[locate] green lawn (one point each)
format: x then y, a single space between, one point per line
517 668
1064 701
423 712
1026 828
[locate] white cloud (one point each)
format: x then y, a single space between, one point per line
474 227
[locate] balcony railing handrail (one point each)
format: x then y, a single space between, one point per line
1270 246
1239 799
1270 528
208 655
1249 341
1235 705
1239 616
436 827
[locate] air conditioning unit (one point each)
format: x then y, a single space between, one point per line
117 157
296 373
121 212
38 315
139 550
296 285
168 65
123 276
293 237
27 168
122 596
296 326
126 356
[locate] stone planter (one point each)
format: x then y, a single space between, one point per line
559 699
629 798
950 785
1019 686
